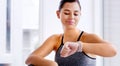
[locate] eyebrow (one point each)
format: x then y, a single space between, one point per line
69 10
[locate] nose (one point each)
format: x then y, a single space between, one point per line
71 16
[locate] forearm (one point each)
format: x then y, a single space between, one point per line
101 49
39 61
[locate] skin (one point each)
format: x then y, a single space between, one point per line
92 44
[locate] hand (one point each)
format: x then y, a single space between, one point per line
70 48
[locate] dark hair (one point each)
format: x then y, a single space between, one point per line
62 2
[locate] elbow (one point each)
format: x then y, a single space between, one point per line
28 61
113 53
33 59
110 51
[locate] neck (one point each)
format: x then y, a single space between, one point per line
71 35
71 32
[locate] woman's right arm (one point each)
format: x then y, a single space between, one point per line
37 57
39 61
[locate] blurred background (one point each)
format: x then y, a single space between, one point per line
25 24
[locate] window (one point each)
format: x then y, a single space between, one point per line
8 14
5 56
19 26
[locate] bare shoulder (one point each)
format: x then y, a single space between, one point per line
48 46
57 39
91 37
53 40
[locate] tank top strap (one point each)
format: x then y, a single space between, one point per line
62 39
80 35
77 39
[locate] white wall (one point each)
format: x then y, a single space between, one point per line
111 29
2 26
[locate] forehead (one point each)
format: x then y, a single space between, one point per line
71 6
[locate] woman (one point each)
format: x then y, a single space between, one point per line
74 47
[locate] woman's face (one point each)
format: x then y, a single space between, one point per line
69 15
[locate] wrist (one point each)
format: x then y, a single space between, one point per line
80 46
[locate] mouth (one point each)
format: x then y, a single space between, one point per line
70 22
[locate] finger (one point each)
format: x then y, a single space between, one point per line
65 50
64 53
72 48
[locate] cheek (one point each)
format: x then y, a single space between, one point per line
63 17
77 19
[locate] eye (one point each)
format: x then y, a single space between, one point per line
66 13
76 14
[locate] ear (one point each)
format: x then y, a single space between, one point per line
58 13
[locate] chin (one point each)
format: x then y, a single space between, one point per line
71 28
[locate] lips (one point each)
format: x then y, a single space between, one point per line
70 22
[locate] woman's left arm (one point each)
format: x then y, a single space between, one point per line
95 45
